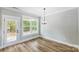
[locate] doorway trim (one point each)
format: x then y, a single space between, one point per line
4 18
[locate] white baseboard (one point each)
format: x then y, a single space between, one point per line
43 36
20 41
49 38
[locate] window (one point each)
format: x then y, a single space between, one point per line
34 25
26 25
30 25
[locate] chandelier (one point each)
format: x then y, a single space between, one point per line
44 16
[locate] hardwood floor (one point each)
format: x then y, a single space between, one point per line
39 45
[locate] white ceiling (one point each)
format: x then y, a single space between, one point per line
39 10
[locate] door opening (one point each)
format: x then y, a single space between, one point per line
11 27
11 30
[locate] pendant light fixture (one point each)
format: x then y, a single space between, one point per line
44 16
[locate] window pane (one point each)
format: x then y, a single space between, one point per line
29 25
26 25
11 30
34 25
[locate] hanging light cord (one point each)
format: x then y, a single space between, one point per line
44 13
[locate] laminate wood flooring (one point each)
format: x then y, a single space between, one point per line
39 45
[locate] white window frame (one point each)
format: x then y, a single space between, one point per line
30 32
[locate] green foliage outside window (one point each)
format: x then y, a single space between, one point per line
34 25
11 26
26 25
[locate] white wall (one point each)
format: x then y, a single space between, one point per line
78 24
0 32
62 26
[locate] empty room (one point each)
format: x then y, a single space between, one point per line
38 29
